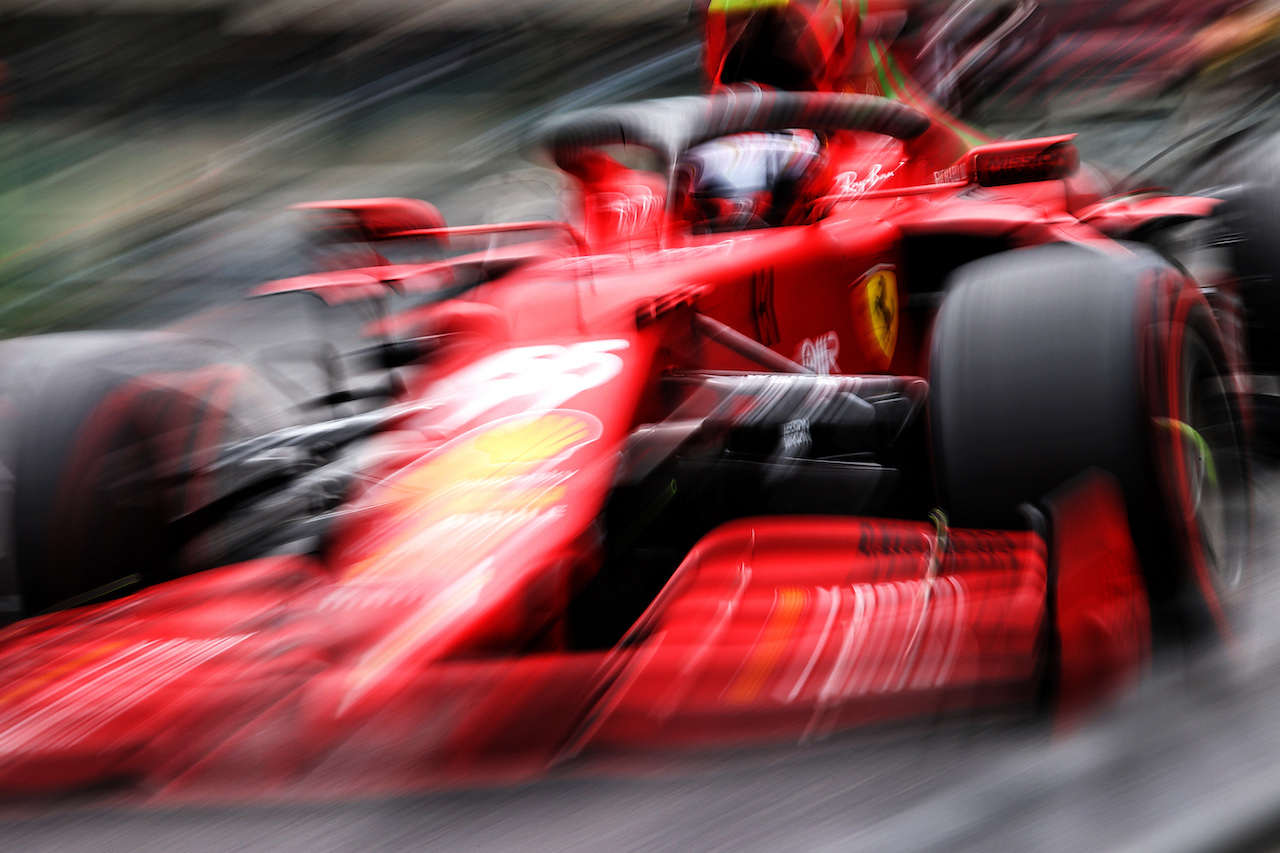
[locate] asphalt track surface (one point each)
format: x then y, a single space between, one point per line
1189 762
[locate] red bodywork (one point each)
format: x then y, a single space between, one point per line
426 644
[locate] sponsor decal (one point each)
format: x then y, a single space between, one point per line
129 672
796 437
39 679
819 354
710 250
533 440
766 317
477 492
632 210
495 487
788 605
882 306
849 185
537 377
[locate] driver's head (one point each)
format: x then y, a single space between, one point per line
797 45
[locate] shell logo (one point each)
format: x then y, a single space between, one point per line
532 440
474 495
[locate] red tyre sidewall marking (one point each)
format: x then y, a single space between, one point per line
1163 339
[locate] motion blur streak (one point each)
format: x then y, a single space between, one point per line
845 445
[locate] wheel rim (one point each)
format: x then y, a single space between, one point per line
1212 467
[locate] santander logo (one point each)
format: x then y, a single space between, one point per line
819 354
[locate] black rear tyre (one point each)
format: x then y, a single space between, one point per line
98 434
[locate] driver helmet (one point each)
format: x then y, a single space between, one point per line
795 45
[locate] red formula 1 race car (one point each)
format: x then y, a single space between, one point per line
834 416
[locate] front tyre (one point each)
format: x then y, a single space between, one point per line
1055 359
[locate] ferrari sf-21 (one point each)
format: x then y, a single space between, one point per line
818 413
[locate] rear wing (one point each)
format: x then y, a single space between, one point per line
374 219
358 271
377 220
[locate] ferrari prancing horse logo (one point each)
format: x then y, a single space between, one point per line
882 306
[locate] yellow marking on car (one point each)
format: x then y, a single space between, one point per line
531 440
409 638
882 303
720 7
462 505
34 683
764 657
1187 431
